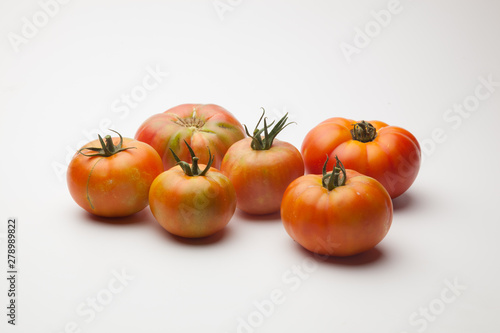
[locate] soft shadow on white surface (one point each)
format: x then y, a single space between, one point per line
266 218
145 219
406 201
139 217
370 257
218 237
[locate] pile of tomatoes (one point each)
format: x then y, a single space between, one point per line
195 164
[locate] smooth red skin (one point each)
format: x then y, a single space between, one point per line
346 221
260 177
117 185
393 158
220 131
192 207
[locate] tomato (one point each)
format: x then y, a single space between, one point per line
389 154
261 169
113 180
201 125
341 213
190 202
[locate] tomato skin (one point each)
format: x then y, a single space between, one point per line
192 206
117 185
393 157
348 220
260 177
212 126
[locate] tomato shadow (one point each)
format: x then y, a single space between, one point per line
144 216
404 202
272 217
370 257
202 241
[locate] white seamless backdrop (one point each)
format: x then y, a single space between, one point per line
71 69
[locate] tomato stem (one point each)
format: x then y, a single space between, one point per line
265 142
363 131
193 169
108 148
336 178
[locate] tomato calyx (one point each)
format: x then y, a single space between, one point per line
108 148
192 121
265 142
363 131
193 170
336 178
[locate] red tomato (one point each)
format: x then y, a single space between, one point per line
201 125
338 214
113 180
189 202
389 154
261 168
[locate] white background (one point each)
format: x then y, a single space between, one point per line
63 81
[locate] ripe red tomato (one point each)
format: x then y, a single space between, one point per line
190 202
389 154
113 180
201 125
338 214
261 169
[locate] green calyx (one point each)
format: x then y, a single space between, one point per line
264 143
363 131
193 170
336 178
108 148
